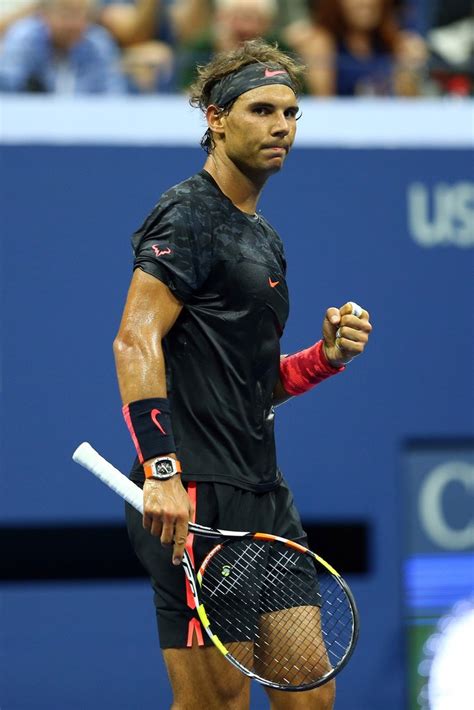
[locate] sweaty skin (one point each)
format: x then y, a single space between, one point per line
150 312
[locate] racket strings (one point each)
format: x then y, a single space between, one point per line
281 614
269 650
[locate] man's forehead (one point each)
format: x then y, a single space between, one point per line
271 94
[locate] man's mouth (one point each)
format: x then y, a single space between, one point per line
276 148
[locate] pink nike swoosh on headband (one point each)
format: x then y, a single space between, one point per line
269 73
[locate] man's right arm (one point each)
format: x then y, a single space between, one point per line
150 312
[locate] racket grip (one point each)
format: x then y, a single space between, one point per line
87 456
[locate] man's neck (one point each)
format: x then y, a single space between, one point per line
241 189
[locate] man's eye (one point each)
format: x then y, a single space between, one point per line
261 111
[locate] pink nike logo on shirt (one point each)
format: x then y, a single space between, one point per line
269 73
272 283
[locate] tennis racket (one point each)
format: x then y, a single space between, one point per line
277 611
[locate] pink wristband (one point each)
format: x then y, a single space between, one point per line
302 371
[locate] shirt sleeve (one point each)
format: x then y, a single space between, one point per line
175 246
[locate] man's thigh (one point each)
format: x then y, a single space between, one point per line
294 637
297 632
201 679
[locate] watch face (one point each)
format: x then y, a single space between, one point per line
164 468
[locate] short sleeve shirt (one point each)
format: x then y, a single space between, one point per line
223 352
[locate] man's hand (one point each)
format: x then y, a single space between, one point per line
345 335
167 511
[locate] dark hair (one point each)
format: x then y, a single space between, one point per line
329 14
256 50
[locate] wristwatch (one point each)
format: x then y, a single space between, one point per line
162 468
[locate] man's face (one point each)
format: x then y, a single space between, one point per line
67 21
260 129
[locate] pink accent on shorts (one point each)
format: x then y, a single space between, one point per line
194 626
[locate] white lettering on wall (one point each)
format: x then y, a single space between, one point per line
431 510
442 214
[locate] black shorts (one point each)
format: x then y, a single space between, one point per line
217 505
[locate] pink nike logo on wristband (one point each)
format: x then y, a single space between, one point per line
154 413
269 73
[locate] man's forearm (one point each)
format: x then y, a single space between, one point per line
141 369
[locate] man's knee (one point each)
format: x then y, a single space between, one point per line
202 678
317 699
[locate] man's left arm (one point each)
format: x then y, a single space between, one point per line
345 333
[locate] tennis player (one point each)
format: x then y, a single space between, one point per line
199 364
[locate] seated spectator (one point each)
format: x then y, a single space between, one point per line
149 68
191 18
143 29
59 50
451 43
233 22
135 21
357 47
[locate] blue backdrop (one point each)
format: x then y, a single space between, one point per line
389 229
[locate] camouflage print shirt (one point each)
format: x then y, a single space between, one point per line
222 354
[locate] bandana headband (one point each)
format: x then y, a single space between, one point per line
249 77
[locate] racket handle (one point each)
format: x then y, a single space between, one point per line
88 457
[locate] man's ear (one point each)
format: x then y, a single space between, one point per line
215 119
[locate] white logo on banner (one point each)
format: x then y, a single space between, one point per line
431 510
442 214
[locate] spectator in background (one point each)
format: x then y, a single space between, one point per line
135 21
451 44
59 50
144 31
357 47
233 23
192 17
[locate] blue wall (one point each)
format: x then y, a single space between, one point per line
386 228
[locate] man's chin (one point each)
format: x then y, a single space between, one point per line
275 165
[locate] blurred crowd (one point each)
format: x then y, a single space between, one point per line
350 47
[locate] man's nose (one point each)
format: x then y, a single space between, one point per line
281 125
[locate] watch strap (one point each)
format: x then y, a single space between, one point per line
149 467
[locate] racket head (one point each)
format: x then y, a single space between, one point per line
277 611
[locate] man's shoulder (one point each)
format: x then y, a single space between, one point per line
270 229
195 195
194 189
184 206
